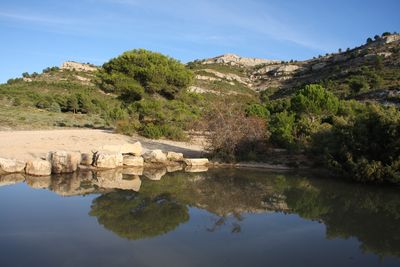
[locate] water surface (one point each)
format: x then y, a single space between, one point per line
214 218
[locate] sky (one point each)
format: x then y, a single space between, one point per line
36 34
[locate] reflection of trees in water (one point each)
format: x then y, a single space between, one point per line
371 214
224 221
135 216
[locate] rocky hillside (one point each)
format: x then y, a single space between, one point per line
370 71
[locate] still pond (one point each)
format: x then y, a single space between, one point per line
217 218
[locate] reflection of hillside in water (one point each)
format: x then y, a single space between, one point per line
134 204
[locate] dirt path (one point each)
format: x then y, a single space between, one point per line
25 145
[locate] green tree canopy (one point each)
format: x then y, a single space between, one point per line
135 216
314 99
138 71
366 148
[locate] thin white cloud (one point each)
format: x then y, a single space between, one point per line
252 17
36 18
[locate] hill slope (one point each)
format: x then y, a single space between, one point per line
68 95
370 71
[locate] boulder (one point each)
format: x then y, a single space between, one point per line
155 173
11 165
134 149
173 156
108 160
196 162
127 148
87 158
38 167
155 156
133 161
63 161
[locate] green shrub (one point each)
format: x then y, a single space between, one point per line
314 100
152 131
282 129
358 84
152 71
365 148
257 110
54 107
127 126
173 132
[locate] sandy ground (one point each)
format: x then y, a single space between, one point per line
25 145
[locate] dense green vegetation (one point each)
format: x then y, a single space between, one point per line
147 93
138 71
360 141
62 97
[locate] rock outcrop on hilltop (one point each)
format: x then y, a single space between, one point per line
71 65
233 59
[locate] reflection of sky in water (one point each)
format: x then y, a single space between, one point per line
40 228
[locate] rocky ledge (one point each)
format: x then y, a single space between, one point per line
107 157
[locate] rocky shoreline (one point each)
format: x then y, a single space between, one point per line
126 156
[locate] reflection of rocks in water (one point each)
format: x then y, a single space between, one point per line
174 168
126 182
195 168
155 173
132 171
111 174
136 216
73 184
38 182
12 178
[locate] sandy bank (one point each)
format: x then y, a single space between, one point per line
25 145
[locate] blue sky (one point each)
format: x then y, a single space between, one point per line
39 33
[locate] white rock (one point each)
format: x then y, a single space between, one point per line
63 161
233 59
127 148
196 162
173 156
71 65
155 156
11 165
38 167
108 160
134 149
133 161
